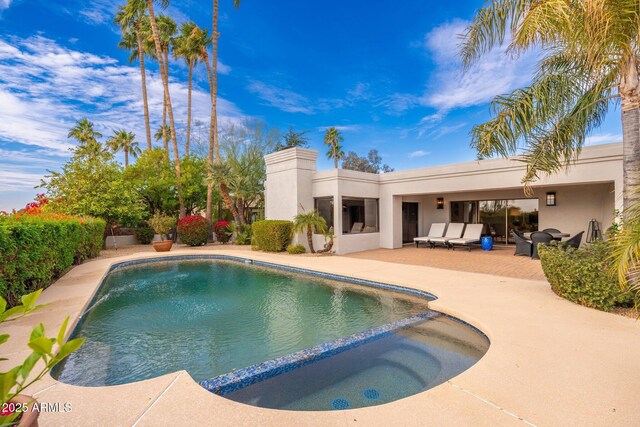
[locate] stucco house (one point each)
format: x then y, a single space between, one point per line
369 211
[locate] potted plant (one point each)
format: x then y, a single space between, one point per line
18 408
162 225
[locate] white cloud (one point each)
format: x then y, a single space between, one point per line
4 4
603 138
223 68
441 131
45 88
345 128
419 153
280 98
494 73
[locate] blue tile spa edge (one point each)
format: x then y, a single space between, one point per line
241 378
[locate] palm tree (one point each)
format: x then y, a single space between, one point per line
213 124
310 222
591 52
130 17
161 134
221 173
167 28
124 141
332 138
87 136
165 83
189 45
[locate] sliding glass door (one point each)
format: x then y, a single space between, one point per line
500 217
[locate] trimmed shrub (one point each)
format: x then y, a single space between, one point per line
583 275
144 234
272 235
223 231
194 230
296 249
35 250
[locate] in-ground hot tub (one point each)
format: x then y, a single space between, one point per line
267 335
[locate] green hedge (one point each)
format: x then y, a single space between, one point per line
35 250
272 235
583 275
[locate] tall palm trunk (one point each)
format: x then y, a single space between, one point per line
310 239
165 137
143 73
335 157
186 148
126 157
165 83
212 124
230 205
630 96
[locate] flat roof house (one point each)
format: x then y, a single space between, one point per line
369 211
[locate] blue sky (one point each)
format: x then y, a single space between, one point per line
387 75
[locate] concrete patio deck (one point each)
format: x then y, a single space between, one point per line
551 362
500 261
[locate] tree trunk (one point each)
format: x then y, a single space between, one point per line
186 148
126 157
165 82
310 239
212 90
230 205
630 96
335 158
143 74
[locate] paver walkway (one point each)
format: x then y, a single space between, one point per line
500 261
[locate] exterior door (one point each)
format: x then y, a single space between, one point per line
409 222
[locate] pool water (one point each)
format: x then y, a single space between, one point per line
210 317
412 360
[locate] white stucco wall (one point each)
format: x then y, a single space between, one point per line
591 188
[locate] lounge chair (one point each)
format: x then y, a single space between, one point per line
575 240
523 246
453 232
436 230
539 237
472 234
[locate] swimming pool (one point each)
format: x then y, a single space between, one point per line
223 321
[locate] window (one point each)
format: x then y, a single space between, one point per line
359 215
324 206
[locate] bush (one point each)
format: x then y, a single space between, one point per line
144 234
583 275
223 231
35 250
296 249
272 235
194 230
243 234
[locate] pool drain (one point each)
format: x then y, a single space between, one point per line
340 404
371 394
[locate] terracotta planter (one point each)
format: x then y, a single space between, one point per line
163 246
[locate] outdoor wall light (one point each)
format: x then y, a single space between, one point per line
551 198
440 203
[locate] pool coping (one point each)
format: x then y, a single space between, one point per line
579 376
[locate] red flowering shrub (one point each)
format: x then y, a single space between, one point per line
223 231
194 230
